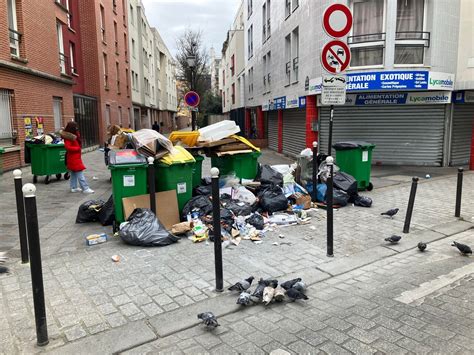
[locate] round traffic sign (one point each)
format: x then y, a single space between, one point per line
192 98
335 56
337 20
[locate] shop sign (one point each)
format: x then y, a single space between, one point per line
399 98
279 103
463 97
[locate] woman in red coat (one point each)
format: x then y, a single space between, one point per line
72 143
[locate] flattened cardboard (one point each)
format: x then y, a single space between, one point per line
166 206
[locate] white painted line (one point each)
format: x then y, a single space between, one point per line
429 287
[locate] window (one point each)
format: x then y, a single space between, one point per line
124 17
15 36
295 5
62 56
133 80
223 77
58 112
269 68
295 53
368 39
120 117
125 46
69 13
114 4
133 48
132 16
117 72
250 81
250 41
410 40
102 23
127 82
72 57
269 32
107 115
288 59
5 117
264 22
249 8
232 65
264 74
233 94
116 38
287 8
106 71
223 99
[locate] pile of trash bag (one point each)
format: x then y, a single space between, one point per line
97 210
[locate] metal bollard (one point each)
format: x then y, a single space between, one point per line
216 218
315 171
151 184
411 202
29 191
20 209
329 210
457 212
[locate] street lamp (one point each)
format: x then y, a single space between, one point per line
191 59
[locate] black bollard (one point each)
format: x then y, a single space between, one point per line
457 212
331 120
315 171
216 219
151 184
29 191
20 209
411 202
329 210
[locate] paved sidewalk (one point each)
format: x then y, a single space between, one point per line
157 291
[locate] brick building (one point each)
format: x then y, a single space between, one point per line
35 89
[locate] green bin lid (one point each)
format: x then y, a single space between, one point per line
2 150
347 145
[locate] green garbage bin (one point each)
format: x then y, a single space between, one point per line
48 159
1 161
355 158
129 178
244 165
197 170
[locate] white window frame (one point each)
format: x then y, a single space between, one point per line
58 112
287 8
294 5
102 23
15 39
62 56
6 115
264 22
250 41
288 58
72 48
295 51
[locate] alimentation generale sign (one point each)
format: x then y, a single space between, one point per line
397 98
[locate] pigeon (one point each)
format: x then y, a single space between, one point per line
463 248
4 270
294 294
279 295
244 299
258 293
394 239
390 213
3 257
289 284
242 285
268 293
209 319
422 246
300 286
270 282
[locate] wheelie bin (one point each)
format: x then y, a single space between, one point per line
355 158
197 170
48 159
244 165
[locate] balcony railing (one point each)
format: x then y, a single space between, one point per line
367 38
295 68
15 40
269 32
64 64
415 37
288 72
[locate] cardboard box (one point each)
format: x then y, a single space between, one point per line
166 206
95 239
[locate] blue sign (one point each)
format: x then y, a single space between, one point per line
279 103
192 98
302 101
394 80
381 99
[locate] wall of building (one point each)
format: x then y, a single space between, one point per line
465 63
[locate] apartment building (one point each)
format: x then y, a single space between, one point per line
214 68
35 87
409 80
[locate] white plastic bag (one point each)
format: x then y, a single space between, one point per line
242 194
147 136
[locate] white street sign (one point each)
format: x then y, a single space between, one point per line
333 90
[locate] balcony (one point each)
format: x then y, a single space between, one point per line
15 40
295 69
288 72
64 66
367 49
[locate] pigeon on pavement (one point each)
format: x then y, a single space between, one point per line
268 293
258 293
242 285
279 295
422 246
3 258
244 299
271 283
463 248
209 319
294 294
392 212
289 284
3 270
300 286
394 239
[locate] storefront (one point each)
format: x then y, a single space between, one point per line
462 143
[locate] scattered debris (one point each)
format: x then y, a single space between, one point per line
116 258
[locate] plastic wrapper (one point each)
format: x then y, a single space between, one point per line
149 138
239 208
202 190
242 194
346 183
363 201
272 199
269 176
89 211
107 212
144 229
200 204
340 198
256 220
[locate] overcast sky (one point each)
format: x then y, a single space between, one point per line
172 17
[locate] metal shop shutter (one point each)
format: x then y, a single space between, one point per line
403 135
294 131
272 119
463 118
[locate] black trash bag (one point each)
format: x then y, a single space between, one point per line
200 204
340 198
272 199
363 201
107 212
239 208
144 229
89 211
227 217
202 190
268 176
256 220
346 183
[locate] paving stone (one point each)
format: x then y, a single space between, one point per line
331 348
300 347
311 337
283 336
363 335
129 309
107 308
115 320
388 347
358 347
413 346
98 328
162 299
258 338
75 333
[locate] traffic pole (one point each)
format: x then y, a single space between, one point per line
29 193
457 212
315 171
216 222
411 203
151 184
20 210
329 209
331 119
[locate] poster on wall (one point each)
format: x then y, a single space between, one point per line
39 125
28 128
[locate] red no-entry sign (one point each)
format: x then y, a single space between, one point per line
335 56
337 20
192 98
